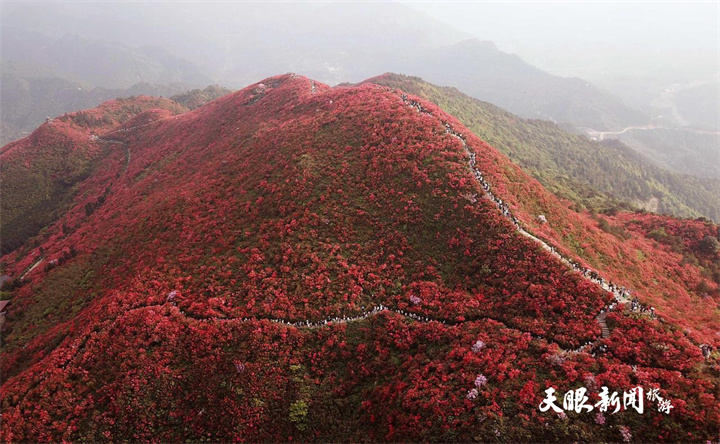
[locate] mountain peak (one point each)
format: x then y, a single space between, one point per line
305 244
475 44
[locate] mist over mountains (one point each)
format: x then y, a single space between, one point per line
191 45
358 222
234 44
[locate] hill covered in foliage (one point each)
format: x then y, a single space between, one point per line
199 97
294 262
31 92
598 176
43 173
687 150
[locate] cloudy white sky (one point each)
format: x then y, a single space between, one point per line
592 39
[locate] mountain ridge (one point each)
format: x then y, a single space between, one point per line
293 200
597 176
504 79
359 41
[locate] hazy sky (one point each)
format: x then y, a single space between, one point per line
621 46
587 38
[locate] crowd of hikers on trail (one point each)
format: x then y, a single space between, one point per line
635 306
171 298
621 294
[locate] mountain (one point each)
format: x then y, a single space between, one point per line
182 293
332 42
98 62
30 94
482 71
598 176
44 172
199 97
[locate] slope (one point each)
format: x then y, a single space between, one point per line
294 262
597 176
41 172
684 150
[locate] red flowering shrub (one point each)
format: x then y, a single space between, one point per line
637 341
222 231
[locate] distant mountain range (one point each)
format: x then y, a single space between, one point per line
66 67
97 62
30 93
482 71
359 41
45 77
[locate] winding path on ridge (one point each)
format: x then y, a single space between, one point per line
104 139
31 268
619 293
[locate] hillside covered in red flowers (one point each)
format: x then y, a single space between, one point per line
294 262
